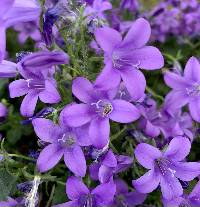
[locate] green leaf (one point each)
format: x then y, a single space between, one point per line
6 184
59 195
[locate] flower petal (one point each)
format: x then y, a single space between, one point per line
46 130
99 131
74 203
18 88
146 155
187 171
175 100
175 81
147 183
7 69
109 78
105 174
148 57
75 160
134 81
192 70
75 188
50 94
151 130
170 187
82 134
194 107
124 112
104 193
76 115
135 198
178 148
29 103
5 5
82 89
138 35
110 159
49 157
107 38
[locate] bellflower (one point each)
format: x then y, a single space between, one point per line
97 108
34 62
96 10
124 198
62 141
80 195
13 12
34 85
123 57
165 168
186 89
193 199
149 118
26 30
109 165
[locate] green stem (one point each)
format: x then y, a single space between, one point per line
51 196
21 156
115 136
154 94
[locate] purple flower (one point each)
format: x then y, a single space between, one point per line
193 199
131 5
186 89
108 165
34 86
26 30
33 63
62 141
97 108
13 12
165 168
149 119
96 11
124 57
80 195
124 198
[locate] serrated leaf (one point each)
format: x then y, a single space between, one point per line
6 184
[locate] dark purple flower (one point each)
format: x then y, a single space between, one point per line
124 198
108 165
165 168
149 118
97 108
193 199
62 141
186 89
81 196
123 57
34 62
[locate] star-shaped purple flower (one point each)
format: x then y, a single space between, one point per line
80 195
97 108
38 82
193 199
123 57
186 89
165 168
62 141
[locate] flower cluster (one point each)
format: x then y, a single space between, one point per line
88 100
